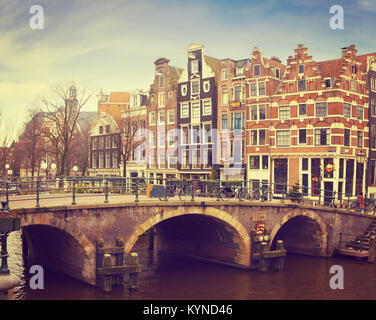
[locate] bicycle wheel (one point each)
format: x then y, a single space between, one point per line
224 195
182 194
241 194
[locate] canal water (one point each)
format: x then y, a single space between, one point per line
172 277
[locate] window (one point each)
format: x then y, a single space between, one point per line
354 85
184 110
322 137
254 162
321 109
253 137
256 70
170 94
237 93
95 141
224 122
224 75
237 150
301 68
152 118
194 66
94 160
161 99
253 89
224 100
161 117
262 111
328 83
152 139
254 112
277 73
373 107
354 69
346 138
196 159
262 89
301 85
195 87
100 129
207 133
161 138
347 110
196 134
283 138
185 160
360 139
305 164
359 112
101 160
162 161
170 137
302 109
208 158
373 137
114 160
206 86
265 162
284 112
101 142
108 160
161 81
207 108
195 114
262 140
171 161
108 128
238 121
171 116
373 84
183 90
302 136
184 135
108 142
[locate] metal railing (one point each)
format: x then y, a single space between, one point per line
74 188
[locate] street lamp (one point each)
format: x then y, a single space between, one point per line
75 169
44 167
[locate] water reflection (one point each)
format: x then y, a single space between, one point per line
171 277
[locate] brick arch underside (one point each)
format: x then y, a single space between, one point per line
232 245
62 250
302 232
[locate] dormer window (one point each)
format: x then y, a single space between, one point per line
239 71
277 73
256 70
354 69
301 68
328 83
224 75
194 66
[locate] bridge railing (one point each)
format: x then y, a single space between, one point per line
66 190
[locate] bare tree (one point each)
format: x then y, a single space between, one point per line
62 111
82 147
31 146
5 144
129 138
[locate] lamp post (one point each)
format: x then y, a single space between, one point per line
44 167
75 169
7 166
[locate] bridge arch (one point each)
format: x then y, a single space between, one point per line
60 246
242 257
307 223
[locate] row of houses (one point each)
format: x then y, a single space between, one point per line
257 119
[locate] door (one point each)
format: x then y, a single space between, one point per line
305 184
328 192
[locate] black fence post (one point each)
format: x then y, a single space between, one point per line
136 189
37 204
7 196
193 190
218 189
74 192
106 191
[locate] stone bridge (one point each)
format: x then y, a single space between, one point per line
64 237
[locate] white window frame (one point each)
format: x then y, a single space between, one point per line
195 81
278 143
182 135
224 90
169 113
194 66
184 114
203 108
224 72
152 115
254 73
195 106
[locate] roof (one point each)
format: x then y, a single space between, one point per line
212 62
119 97
331 68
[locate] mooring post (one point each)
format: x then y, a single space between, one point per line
99 262
74 193
133 275
263 264
120 261
372 249
279 262
107 278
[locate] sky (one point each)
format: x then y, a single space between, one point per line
112 44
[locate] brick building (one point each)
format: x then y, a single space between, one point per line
319 125
161 122
197 114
